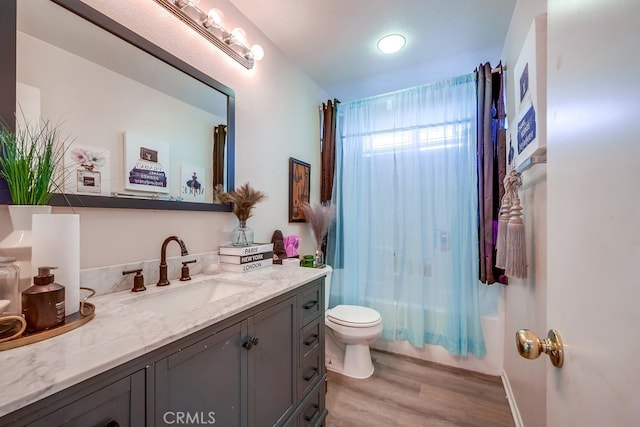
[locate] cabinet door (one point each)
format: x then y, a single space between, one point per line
120 403
204 383
271 364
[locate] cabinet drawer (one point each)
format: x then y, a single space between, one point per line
310 302
313 412
309 373
310 338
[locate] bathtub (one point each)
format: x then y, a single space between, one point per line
492 319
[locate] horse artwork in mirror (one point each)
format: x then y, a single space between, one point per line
147 130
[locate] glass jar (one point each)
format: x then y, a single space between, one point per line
307 261
242 235
319 258
9 287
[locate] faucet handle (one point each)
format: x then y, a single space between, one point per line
185 270
138 280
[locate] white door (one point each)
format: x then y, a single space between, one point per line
594 211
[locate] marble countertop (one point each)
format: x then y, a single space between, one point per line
119 333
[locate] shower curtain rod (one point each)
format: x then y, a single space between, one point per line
498 69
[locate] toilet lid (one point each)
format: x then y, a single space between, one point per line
353 315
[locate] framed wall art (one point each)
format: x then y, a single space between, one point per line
147 164
299 188
87 170
191 183
527 134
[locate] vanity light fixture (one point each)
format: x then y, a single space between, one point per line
391 43
210 26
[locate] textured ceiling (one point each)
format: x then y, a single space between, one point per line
334 41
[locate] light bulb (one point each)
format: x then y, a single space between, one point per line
391 43
256 52
214 18
238 36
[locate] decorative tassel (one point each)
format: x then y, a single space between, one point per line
516 259
501 238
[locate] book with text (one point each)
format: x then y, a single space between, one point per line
245 259
246 250
244 268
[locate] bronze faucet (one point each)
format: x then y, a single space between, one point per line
138 280
163 281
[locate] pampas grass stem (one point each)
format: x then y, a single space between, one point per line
319 217
243 200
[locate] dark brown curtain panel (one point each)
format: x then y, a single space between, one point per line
328 148
219 140
491 160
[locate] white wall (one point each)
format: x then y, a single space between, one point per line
525 305
276 118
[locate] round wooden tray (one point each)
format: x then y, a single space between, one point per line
71 322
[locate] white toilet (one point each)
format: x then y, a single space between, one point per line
349 330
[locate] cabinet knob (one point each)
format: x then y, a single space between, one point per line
112 423
250 342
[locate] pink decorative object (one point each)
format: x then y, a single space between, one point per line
291 244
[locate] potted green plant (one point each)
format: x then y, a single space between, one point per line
28 161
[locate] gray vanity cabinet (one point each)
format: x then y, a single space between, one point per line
90 404
261 367
204 380
272 395
239 376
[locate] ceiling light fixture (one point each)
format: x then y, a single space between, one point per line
391 43
210 26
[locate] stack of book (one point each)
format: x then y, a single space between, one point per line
246 258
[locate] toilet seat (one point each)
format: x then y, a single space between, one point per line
353 316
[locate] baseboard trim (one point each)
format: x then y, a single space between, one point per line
517 419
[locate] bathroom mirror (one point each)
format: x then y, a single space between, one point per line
146 129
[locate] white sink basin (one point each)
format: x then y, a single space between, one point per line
188 297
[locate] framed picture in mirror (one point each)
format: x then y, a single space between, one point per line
299 188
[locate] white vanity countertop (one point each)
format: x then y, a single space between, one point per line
119 333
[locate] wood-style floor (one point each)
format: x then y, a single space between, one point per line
409 392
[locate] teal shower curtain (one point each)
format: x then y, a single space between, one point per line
405 240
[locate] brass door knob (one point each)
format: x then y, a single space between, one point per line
530 346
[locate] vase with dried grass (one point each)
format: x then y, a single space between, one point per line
319 216
243 201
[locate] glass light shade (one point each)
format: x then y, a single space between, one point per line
214 18
193 3
391 43
257 52
238 36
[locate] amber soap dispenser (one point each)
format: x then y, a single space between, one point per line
43 303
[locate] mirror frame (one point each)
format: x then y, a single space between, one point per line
8 78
